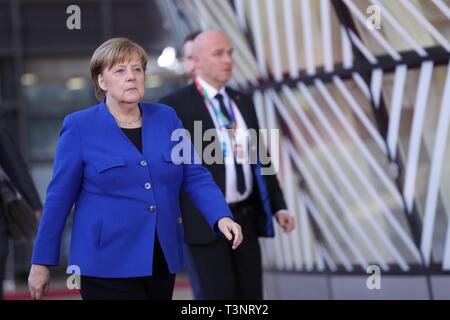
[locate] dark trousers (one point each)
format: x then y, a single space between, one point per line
142 288
159 286
4 246
227 274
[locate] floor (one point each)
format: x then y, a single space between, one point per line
59 291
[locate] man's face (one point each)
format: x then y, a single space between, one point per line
188 58
214 60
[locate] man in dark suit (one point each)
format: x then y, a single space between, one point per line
188 55
252 197
14 166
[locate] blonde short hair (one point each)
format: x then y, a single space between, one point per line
111 52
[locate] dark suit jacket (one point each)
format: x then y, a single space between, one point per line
190 107
15 167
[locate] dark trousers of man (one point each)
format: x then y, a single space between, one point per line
227 274
159 286
4 245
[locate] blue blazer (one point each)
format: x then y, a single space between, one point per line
121 197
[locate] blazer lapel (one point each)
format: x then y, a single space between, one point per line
154 140
199 111
115 132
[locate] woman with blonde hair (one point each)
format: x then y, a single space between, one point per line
114 162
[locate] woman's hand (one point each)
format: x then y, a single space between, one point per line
230 228
39 281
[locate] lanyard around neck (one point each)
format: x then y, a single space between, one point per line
228 122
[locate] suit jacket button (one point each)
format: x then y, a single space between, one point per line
143 163
152 209
147 186
180 220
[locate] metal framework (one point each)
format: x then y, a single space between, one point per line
322 77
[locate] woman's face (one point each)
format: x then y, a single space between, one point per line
124 82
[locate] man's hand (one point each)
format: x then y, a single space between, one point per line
285 220
230 228
38 214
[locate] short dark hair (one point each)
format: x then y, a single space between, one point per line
191 36
111 52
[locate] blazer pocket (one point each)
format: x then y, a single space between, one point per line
167 156
107 164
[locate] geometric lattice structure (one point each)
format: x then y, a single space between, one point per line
360 90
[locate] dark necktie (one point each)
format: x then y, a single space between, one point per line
223 108
239 170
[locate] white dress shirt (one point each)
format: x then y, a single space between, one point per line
232 195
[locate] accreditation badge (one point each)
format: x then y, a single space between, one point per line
224 149
240 153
